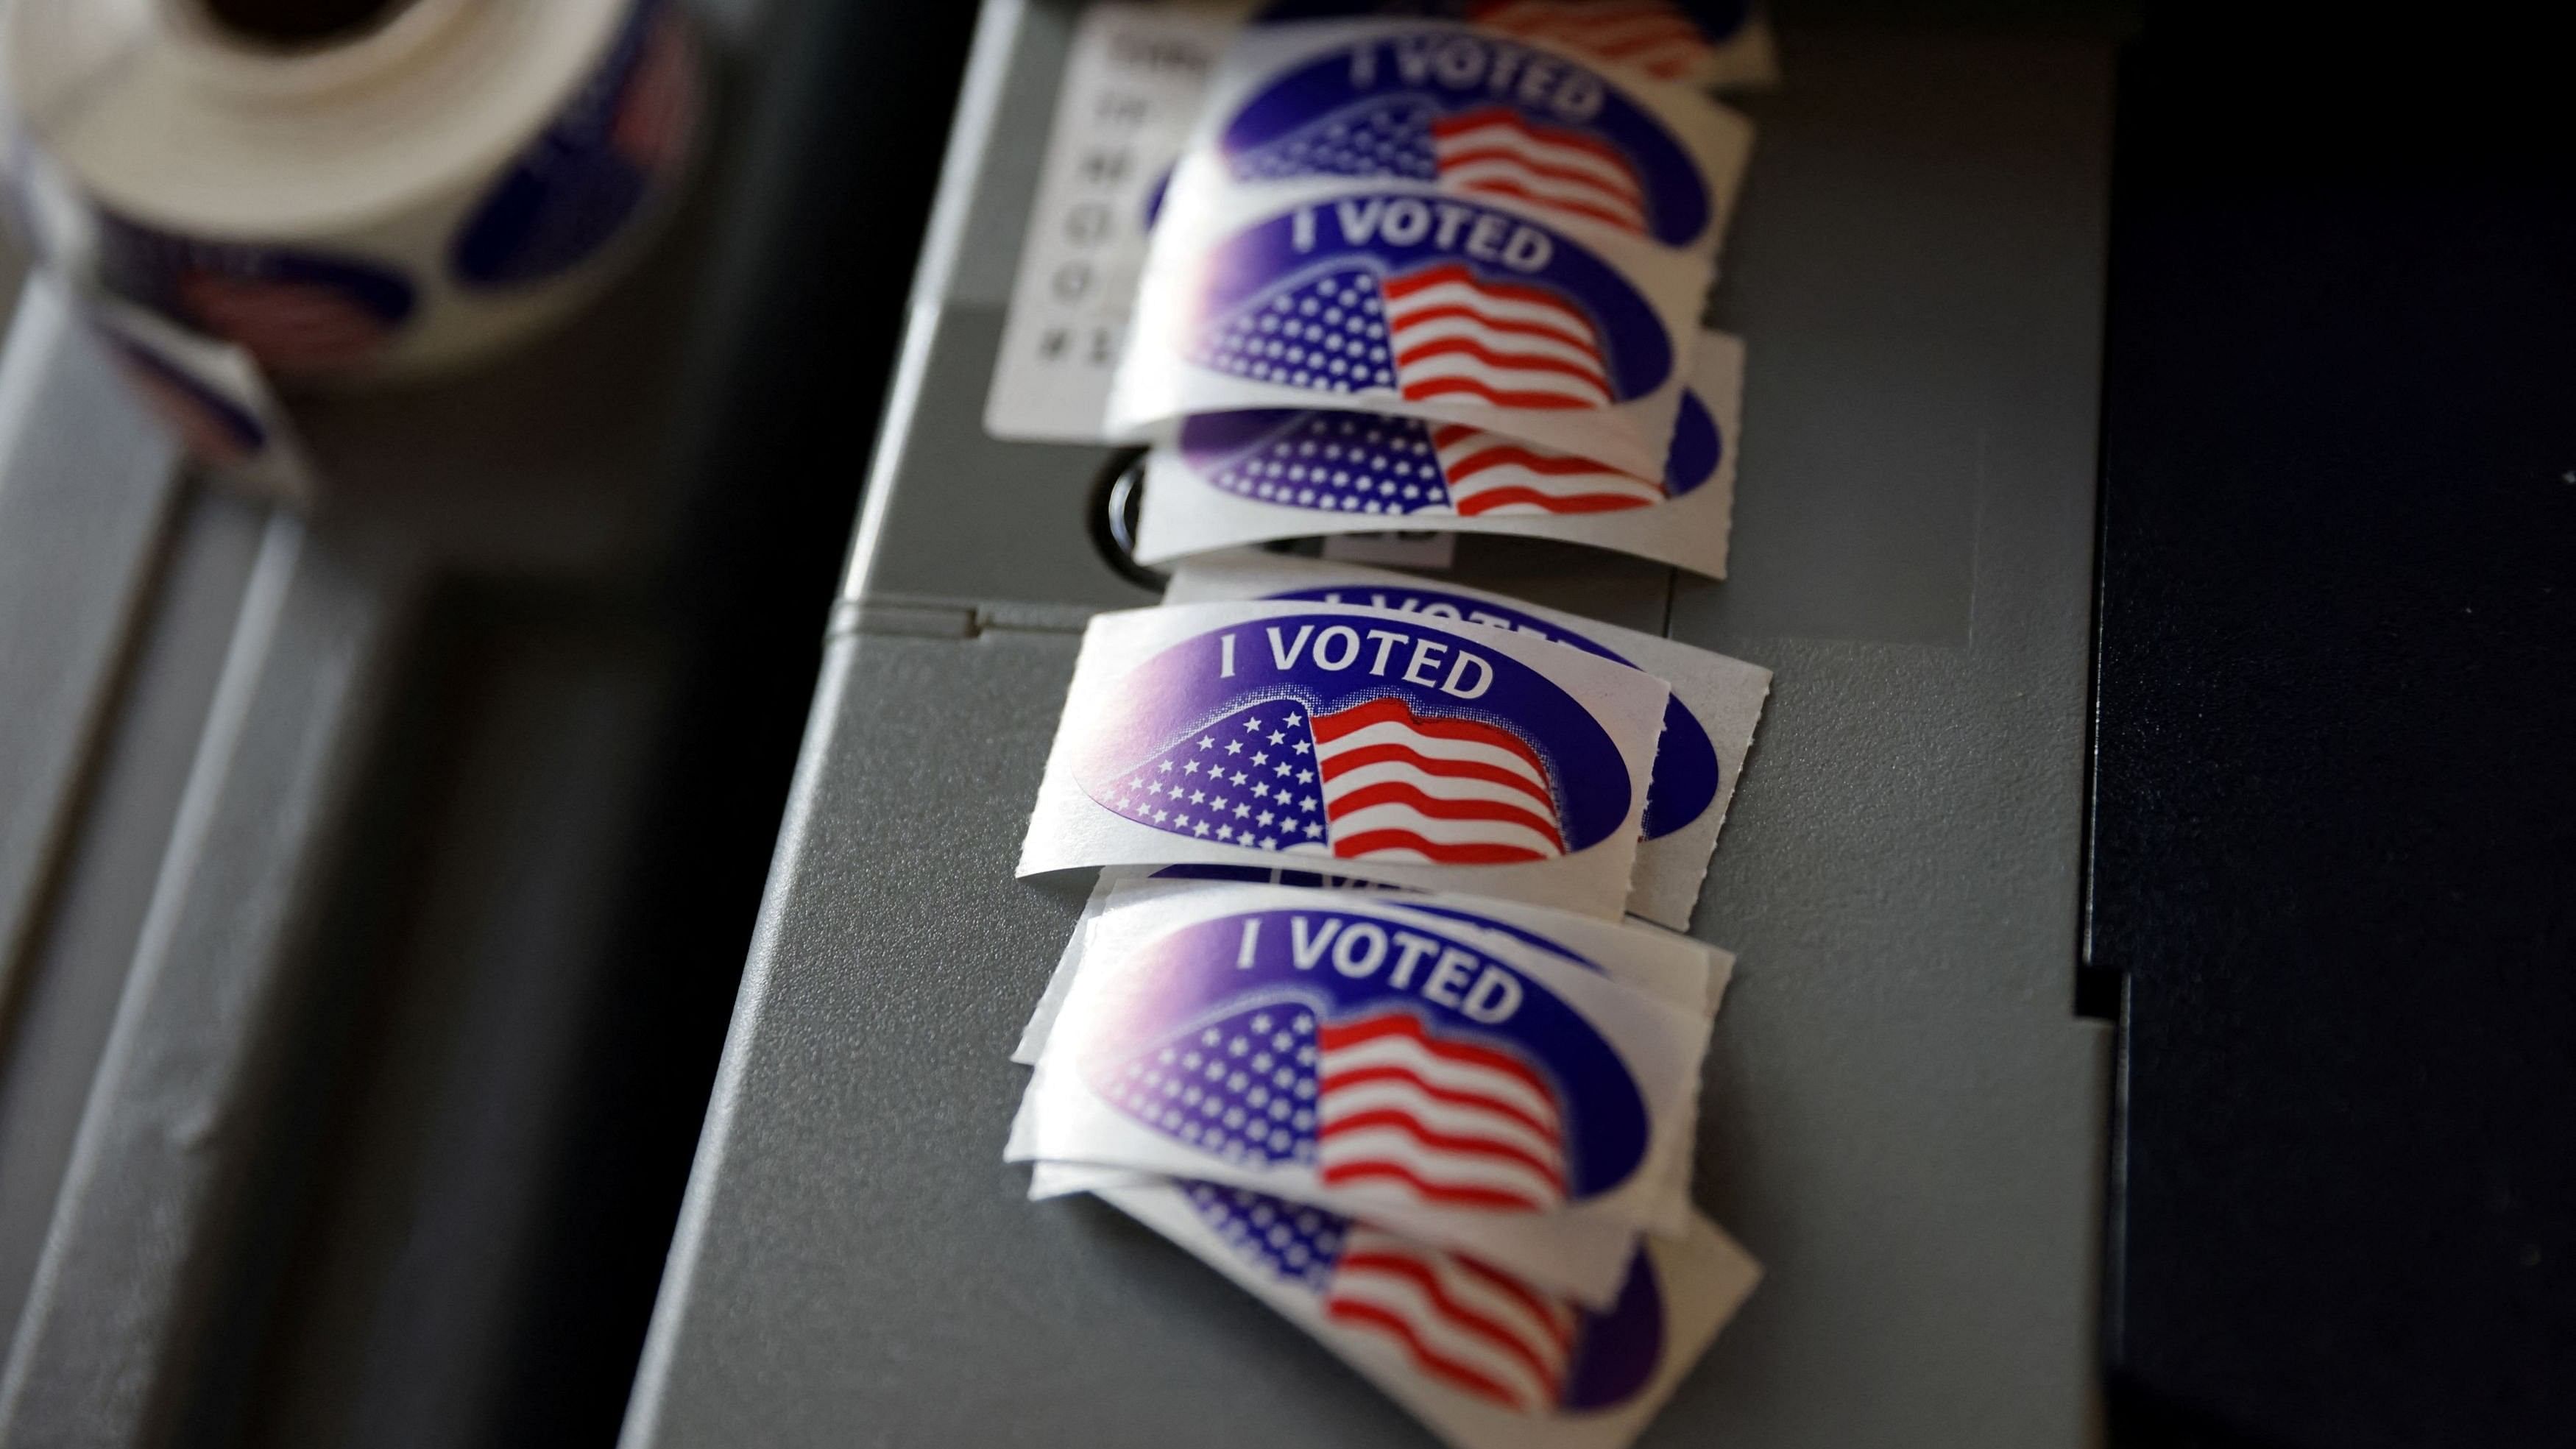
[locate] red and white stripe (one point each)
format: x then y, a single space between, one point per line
1514 346
1494 151
291 327
1653 36
1489 473
1451 1123
660 105
1476 1330
1448 791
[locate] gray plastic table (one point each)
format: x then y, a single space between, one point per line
1905 1116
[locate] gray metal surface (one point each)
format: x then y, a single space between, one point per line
1904 1118
74 973
84 488
143 1224
1905 1121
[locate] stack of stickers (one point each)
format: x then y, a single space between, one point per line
1442 1116
1381 1006
1436 276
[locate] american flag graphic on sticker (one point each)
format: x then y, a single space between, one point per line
1658 38
1396 1062
1475 115
300 312
1455 1321
1340 736
1366 463
295 327
1687 773
1426 300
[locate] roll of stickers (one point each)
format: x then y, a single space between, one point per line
348 191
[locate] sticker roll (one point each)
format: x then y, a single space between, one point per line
352 191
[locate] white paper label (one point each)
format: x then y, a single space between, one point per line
1132 87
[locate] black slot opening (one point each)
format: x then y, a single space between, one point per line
301 24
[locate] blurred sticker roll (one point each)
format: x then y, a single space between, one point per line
348 191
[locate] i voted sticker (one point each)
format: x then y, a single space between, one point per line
1426 299
1486 1359
1495 1338
1357 463
1341 1050
1708 723
1719 45
1667 966
1468 112
1289 734
1392 1061
1395 747
1413 305
1232 478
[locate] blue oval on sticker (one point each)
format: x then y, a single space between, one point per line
1392 1059
1366 463
1428 299
1477 115
574 188
1459 1322
1686 768
1330 735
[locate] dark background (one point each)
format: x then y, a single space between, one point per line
2333 873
